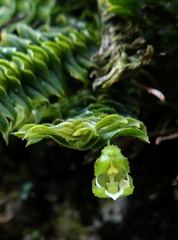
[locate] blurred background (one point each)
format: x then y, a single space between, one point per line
45 194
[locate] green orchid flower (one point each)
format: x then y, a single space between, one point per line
111 174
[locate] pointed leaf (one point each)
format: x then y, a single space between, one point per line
6 106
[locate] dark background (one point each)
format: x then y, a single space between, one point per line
46 193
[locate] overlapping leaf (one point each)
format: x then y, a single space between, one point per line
43 71
34 70
86 132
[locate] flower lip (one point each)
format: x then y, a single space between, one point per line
123 185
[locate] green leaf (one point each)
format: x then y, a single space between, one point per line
74 69
127 9
85 133
15 90
3 123
6 106
6 11
27 32
12 40
6 53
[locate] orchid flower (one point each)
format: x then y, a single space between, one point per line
111 174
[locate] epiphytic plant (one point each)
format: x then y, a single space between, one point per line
56 77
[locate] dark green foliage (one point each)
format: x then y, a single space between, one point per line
41 68
82 73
